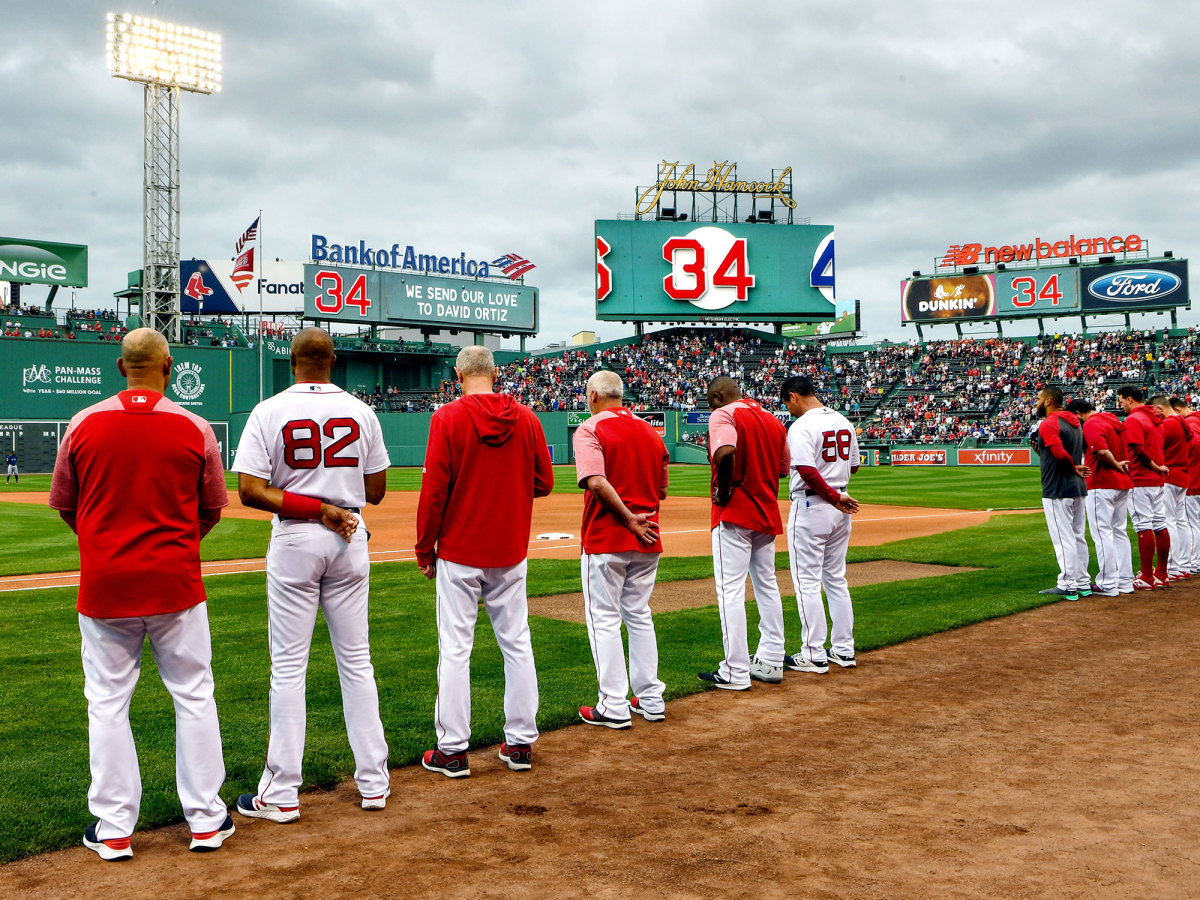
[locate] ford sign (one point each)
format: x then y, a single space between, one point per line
1133 285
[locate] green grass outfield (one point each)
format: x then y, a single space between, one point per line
44 766
954 487
33 539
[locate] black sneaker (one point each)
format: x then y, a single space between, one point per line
719 681
635 705
519 757
798 662
452 765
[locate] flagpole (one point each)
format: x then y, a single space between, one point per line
259 281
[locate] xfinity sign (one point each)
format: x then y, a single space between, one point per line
43 262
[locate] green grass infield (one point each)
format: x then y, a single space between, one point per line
44 767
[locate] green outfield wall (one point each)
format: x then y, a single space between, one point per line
43 383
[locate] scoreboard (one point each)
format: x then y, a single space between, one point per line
677 271
385 297
1047 291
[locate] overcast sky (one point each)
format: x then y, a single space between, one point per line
490 128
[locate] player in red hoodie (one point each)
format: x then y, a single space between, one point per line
485 461
1191 418
1177 441
1143 434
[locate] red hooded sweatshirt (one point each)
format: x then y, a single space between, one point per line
1143 433
1177 440
485 461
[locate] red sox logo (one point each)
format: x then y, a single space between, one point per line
196 289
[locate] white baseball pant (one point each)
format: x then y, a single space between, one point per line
502 589
739 551
1107 515
818 534
112 660
616 588
1192 505
1066 521
1147 508
310 567
1174 508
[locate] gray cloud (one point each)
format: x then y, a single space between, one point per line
494 128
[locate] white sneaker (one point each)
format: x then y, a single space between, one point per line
845 660
379 802
760 671
250 805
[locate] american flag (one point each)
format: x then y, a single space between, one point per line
243 266
512 265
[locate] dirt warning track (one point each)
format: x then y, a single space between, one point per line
1040 755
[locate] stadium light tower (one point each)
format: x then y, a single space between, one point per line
167 59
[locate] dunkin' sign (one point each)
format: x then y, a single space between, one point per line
932 457
1000 456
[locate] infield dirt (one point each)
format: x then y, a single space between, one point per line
1052 753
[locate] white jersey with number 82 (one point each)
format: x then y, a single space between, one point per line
825 440
314 439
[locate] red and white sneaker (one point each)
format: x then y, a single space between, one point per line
206 842
1141 584
1159 583
112 849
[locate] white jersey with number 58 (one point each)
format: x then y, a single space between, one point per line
825 440
314 439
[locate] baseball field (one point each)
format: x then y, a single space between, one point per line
1048 749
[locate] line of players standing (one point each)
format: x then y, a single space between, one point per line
1105 471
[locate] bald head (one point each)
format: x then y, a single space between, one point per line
312 346
722 390
475 362
144 347
145 360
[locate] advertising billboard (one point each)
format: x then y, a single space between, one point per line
995 456
1057 290
844 325
916 457
369 296
1134 286
953 297
682 271
43 262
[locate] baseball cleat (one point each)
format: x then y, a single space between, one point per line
719 681
1060 592
1159 582
1125 589
592 716
1141 584
518 757
1109 592
1086 592
635 705
452 765
845 660
112 849
798 662
379 802
208 841
768 674
249 805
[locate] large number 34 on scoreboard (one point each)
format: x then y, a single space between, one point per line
334 297
733 271
1026 293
